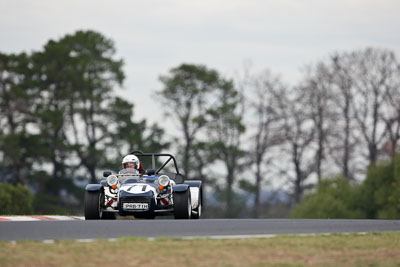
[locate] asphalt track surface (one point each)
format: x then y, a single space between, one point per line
56 230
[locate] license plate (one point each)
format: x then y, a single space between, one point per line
135 206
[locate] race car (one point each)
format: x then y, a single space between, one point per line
145 195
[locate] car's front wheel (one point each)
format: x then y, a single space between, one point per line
93 201
182 205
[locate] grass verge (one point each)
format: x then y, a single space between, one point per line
372 249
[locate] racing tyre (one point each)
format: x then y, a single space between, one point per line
182 205
93 200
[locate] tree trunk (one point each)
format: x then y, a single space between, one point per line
186 159
92 173
372 153
346 152
320 154
298 190
258 190
229 194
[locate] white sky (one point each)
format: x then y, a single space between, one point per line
152 36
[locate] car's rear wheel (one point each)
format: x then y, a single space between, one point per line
93 207
182 205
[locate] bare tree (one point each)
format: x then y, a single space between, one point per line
298 132
391 112
224 133
342 87
266 134
371 72
317 102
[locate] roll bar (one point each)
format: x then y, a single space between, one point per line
139 154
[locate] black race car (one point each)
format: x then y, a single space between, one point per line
152 192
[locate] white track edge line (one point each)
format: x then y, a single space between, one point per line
89 240
39 218
85 240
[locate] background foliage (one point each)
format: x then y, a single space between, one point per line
15 199
377 197
261 147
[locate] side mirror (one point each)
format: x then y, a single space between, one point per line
150 172
106 174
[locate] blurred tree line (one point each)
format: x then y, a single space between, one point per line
260 146
61 120
342 118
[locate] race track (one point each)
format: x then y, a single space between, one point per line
220 228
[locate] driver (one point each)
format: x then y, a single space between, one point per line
131 164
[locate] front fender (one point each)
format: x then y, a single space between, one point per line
180 188
193 183
93 187
196 192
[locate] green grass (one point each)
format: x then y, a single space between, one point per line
372 249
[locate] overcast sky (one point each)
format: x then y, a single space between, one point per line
154 36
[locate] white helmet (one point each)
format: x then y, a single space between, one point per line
130 159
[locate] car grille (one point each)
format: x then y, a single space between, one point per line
135 200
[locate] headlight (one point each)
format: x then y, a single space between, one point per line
112 180
163 180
